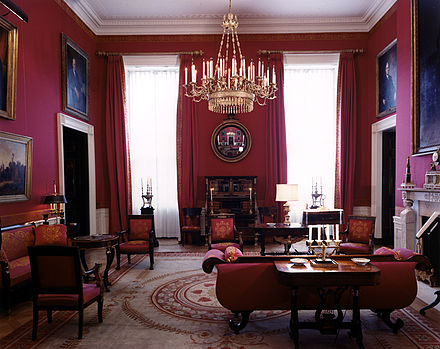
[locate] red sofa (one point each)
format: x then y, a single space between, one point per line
252 283
14 259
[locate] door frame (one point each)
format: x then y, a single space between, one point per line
64 120
377 130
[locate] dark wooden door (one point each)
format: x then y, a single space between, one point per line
76 180
388 185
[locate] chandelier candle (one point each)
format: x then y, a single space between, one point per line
231 87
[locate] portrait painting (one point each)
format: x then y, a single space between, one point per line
75 73
8 69
15 167
386 72
426 76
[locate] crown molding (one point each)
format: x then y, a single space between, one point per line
210 24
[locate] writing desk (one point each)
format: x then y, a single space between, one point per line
348 274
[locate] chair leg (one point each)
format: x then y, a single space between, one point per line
151 260
34 323
118 258
100 306
129 259
80 323
49 316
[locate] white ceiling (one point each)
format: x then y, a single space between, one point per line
154 17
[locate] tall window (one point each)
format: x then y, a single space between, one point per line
152 88
310 104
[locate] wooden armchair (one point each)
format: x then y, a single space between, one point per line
267 214
137 239
191 224
57 283
358 238
223 233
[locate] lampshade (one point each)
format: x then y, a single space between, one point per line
55 199
287 192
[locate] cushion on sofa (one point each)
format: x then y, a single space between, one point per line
19 270
399 253
16 241
232 253
55 234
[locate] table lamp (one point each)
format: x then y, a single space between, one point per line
56 209
287 192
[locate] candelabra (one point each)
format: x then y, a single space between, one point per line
317 198
148 196
323 249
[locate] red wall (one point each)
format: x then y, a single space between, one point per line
39 90
39 93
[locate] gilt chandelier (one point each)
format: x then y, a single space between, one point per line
231 87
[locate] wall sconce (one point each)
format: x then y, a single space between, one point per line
287 192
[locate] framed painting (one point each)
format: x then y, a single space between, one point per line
75 78
425 76
386 73
15 168
8 69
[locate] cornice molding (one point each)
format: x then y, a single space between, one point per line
210 24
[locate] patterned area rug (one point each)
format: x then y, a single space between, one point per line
174 306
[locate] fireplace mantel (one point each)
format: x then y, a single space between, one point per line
418 202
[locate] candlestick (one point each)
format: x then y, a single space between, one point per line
319 234
211 190
310 233
327 232
250 193
337 231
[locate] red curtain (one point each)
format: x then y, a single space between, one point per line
117 154
276 151
346 134
187 138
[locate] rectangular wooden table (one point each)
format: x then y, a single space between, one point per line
292 230
348 274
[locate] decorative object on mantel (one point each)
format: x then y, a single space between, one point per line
230 87
432 177
287 192
407 181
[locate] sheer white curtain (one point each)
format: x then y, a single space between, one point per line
152 105
310 104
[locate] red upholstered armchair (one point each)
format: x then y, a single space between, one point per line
57 283
359 236
137 239
223 233
191 224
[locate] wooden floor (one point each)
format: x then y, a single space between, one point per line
22 310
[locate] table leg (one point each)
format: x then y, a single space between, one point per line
356 328
110 253
294 323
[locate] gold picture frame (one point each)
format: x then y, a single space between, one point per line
386 76
425 76
8 71
231 141
16 168
75 78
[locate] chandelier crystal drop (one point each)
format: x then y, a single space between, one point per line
231 87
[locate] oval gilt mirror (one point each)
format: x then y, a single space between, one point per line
231 141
